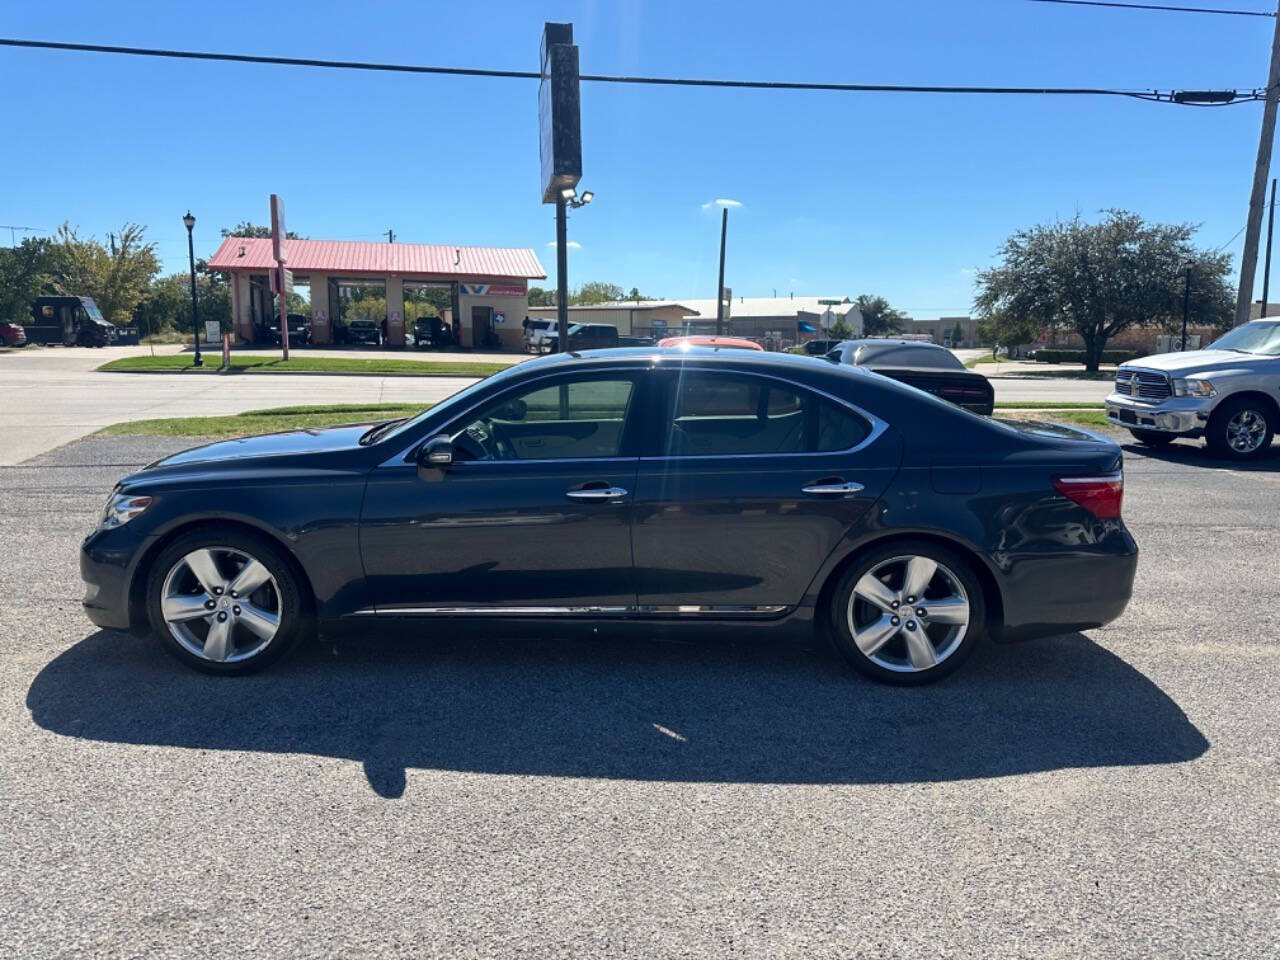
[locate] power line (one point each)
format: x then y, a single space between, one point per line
1148 95
1164 8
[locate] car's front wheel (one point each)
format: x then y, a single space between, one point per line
907 613
225 602
1241 428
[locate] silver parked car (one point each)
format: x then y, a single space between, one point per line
1229 393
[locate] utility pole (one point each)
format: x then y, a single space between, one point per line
1266 266
391 236
1249 259
724 228
112 238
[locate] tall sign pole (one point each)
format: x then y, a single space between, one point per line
724 229
278 251
560 149
1266 262
1253 227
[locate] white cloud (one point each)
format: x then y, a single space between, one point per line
572 244
721 202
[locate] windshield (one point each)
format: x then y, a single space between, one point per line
1255 337
91 308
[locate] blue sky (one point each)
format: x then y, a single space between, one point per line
901 195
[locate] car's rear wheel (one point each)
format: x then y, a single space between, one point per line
225 602
907 613
1151 438
1241 428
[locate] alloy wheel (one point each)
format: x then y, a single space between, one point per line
908 614
221 604
1246 431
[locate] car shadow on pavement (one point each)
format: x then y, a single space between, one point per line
1196 454
719 709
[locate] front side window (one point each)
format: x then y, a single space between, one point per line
725 415
574 419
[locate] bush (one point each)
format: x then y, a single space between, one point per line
1077 356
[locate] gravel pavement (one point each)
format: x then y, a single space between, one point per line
1111 795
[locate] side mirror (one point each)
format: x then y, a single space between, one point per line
436 455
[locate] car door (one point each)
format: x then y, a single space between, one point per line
747 484
533 516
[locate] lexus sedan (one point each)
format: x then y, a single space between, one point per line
636 488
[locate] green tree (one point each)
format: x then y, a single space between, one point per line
878 318
246 229
636 295
596 291
1003 330
538 297
1098 279
840 330
166 304
116 279
25 271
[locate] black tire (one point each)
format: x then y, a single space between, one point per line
293 606
1217 432
1152 438
949 561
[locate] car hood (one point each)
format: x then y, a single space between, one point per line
291 443
1192 360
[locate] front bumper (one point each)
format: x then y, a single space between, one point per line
108 561
1176 416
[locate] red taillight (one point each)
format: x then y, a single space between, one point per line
1101 494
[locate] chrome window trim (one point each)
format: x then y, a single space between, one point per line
673 609
401 459
878 426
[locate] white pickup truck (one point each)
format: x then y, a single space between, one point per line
1229 393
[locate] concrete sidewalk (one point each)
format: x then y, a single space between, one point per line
51 402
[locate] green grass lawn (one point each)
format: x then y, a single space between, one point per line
1093 419
269 363
271 420
976 361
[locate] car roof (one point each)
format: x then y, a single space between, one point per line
783 364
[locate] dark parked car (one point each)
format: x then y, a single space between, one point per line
299 330
596 336
363 331
12 334
819 348
926 366
658 489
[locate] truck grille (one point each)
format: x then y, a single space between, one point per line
1151 387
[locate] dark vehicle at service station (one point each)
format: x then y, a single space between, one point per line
926 366
630 489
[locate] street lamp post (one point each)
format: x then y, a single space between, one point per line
1186 304
190 223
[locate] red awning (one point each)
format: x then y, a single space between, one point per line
344 257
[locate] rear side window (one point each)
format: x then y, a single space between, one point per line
709 414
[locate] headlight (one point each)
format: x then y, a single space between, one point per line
122 508
1193 388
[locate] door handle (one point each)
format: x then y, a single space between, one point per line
834 488
597 494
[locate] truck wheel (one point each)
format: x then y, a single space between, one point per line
1150 438
1241 428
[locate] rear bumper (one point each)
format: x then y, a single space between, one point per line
1061 594
1177 416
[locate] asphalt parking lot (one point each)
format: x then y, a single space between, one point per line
1110 795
